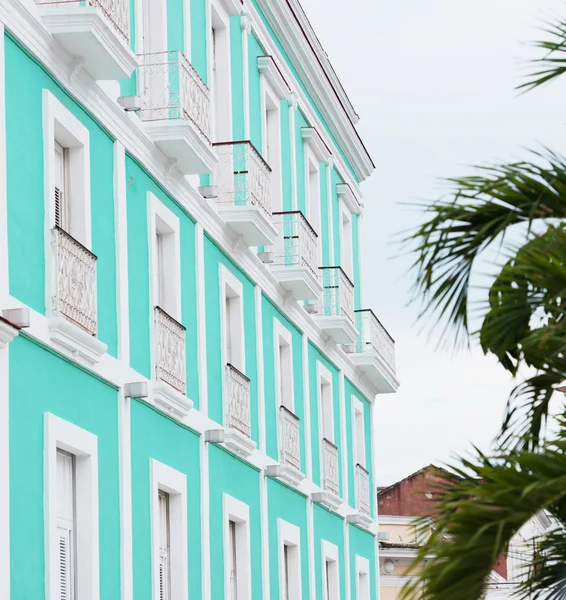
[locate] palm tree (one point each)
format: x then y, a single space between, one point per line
523 325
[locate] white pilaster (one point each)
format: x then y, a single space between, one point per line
246 24
307 405
201 321
329 167
347 574
4 265
260 378
205 518
124 434
344 441
293 104
310 547
4 473
264 507
121 228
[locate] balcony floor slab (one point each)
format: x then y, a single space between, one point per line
340 329
376 371
299 281
249 222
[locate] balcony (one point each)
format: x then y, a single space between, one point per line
295 256
336 317
175 107
374 353
237 419
170 364
289 468
242 181
74 298
95 33
329 477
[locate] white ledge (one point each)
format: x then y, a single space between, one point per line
74 342
7 333
327 499
238 443
286 474
360 519
170 399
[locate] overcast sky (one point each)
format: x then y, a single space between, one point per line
433 82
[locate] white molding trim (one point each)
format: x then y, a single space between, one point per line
170 400
4 458
347 560
358 408
201 319
330 554
264 516
167 479
348 197
312 139
7 333
246 30
293 106
344 443
362 572
205 517
329 194
125 452
61 434
307 406
289 535
75 343
237 511
258 297
269 69
310 548
121 217
324 375
280 332
4 262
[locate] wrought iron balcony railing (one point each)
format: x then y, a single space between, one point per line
297 244
170 356
173 90
74 292
375 338
290 451
117 12
338 293
242 176
330 466
362 490
237 413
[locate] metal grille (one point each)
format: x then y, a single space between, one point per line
116 12
290 438
170 360
338 293
75 289
242 176
238 404
297 243
330 466
172 89
362 490
375 338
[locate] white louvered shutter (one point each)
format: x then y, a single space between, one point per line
232 565
60 192
164 546
66 524
286 575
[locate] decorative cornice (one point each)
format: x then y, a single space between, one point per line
311 136
246 23
269 69
345 192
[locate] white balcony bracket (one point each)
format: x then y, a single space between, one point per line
171 400
7 333
287 474
238 443
327 499
136 389
74 342
360 519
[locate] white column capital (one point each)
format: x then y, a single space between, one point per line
293 100
246 23
7 333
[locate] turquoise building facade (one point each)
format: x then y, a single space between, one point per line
187 369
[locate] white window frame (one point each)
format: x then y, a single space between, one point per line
314 213
167 479
220 21
60 434
330 555
290 535
163 221
324 377
231 287
358 409
271 102
283 337
237 511
60 125
346 241
363 583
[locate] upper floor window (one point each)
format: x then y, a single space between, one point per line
237 558
359 432
66 524
326 404
219 73
330 574
284 365
164 547
363 581
289 560
346 243
231 291
316 152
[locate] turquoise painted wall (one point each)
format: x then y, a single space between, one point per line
254 51
229 475
349 391
362 543
269 313
60 388
316 436
330 527
284 503
213 257
25 82
138 184
155 436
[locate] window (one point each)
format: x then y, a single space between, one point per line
326 404
237 559
284 366
363 582
331 578
71 509
313 191
154 26
66 524
346 259
62 210
219 73
231 290
165 257
168 489
272 145
164 547
289 560
359 432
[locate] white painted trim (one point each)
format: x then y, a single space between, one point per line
281 333
4 464
4 262
362 570
330 554
205 517
169 480
323 375
246 30
344 441
290 535
347 574
272 74
124 435
239 512
310 547
307 405
121 237
258 297
347 263
264 514
329 198
274 156
292 100
232 287
201 319
358 408
84 445
373 450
